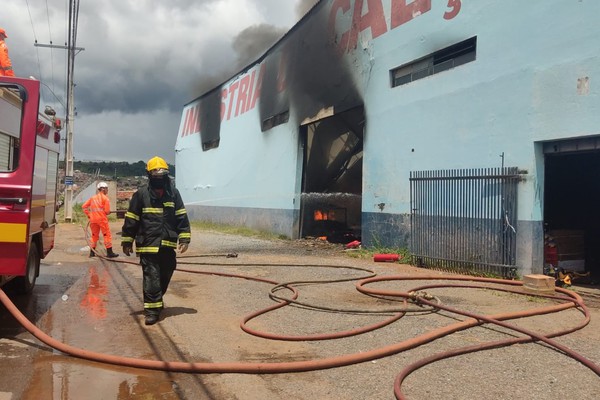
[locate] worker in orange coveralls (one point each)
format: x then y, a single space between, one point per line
6 68
97 209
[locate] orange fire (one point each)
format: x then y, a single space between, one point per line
321 215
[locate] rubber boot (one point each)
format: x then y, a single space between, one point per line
151 319
92 254
110 253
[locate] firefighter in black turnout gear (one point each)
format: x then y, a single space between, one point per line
157 221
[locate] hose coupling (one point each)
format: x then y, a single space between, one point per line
416 296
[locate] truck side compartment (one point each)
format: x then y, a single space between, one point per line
29 151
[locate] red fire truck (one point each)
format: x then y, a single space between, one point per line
29 149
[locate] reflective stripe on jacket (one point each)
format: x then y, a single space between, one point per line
97 208
155 222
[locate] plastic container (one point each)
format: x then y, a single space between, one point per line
353 245
385 257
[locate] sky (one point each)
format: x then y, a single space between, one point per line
142 61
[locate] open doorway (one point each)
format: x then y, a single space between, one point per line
330 206
572 213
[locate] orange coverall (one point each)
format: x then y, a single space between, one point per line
97 208
5 64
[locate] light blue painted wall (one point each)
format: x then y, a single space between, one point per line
249 168
522 89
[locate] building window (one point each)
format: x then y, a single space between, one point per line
442 60
210 144
275 120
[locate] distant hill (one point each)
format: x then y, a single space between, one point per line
112 168
128 176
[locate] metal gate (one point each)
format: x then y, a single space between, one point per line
464 220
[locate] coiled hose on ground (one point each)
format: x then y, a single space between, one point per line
413 300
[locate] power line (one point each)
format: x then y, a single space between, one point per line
52 82
53 94
34 38
72 51
72 41
51 50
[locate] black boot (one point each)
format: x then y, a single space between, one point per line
92 254
110 253
151 319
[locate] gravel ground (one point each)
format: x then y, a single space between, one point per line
524 371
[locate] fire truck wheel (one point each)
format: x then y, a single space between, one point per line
25 284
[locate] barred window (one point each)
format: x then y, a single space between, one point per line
442 60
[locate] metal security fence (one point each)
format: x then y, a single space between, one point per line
464 220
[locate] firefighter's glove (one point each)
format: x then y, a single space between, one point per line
183 247
127 249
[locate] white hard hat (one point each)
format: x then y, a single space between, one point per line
102 185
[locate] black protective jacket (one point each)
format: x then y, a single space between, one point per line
155 222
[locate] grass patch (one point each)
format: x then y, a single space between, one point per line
378 248
236 230
78 216
367 253
535 299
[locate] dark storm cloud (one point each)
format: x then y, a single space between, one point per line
143 60
157 74
141 67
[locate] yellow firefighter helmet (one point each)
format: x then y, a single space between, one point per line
157 166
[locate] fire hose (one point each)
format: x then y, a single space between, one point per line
417 298
479 319
570 299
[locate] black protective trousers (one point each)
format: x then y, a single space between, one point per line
158 270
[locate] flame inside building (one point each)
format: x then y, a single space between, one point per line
332 177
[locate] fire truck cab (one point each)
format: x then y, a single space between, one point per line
29 150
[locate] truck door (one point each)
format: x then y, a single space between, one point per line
19 102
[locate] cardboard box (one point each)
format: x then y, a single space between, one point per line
538 284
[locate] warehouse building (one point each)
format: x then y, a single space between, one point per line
468 132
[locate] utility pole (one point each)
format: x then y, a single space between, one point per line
70 120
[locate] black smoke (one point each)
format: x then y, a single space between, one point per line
254 41
304 6
316 75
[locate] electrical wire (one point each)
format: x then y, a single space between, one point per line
39 64
51 49
50 88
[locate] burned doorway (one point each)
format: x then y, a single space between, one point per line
571 212
330 206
